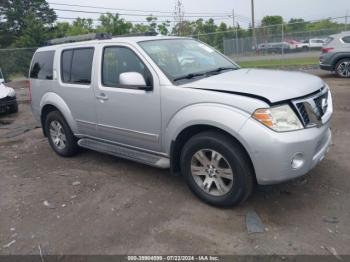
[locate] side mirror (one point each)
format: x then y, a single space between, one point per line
133 80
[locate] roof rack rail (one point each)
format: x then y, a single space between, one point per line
79 38
149 33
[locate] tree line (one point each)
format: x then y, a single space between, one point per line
30 23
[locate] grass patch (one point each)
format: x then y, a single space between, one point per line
284 63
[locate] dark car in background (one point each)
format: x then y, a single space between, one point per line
274 48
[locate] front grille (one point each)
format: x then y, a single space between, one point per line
311 109
319 106
304 115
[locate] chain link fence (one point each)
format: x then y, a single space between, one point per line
15 62
285 41
278 42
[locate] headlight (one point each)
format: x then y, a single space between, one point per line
279 118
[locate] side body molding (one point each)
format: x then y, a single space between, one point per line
55 100
222 116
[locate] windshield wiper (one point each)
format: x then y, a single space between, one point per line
208 73
189 76
220 69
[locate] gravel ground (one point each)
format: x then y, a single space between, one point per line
99 204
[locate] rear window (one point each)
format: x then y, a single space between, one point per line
76 65
346 39
328 40
42 65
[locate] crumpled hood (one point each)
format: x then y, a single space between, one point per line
273 85
6 91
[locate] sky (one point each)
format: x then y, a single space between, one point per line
307 9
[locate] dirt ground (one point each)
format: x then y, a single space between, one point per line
99 204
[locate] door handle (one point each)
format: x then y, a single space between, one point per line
102 97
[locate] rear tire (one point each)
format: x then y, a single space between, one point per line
60 136
342 68
217 169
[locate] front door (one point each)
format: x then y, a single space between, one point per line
127 115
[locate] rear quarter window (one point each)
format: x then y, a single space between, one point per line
328 40
346 39
42 65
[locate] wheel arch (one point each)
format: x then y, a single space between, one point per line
337 58
53 102
178 143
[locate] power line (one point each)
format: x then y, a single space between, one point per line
130 21
98 20
143 15
137 10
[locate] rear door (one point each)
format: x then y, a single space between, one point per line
127 115
75 86
41 78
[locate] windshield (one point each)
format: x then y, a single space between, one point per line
186 59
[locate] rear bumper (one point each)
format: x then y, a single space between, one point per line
6 103
326 67
272 153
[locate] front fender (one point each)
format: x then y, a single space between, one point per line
221 116
57 101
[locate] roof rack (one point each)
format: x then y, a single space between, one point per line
94 36
149 33
79 38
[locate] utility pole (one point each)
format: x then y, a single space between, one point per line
346 19
253 25
236 35
179 16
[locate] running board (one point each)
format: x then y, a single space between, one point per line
124 152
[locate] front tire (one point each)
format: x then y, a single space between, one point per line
217 169
60 136
343 68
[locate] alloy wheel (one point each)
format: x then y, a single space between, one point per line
212 172
343 69
57 135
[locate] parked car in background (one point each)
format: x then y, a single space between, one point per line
8 101
311 44
336 54
177 103
293 43
274 48
2 78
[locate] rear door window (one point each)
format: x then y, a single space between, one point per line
76 65
42 65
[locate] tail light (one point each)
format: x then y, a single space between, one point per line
30 90
326 50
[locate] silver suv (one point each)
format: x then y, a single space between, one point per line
177 103
336 54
